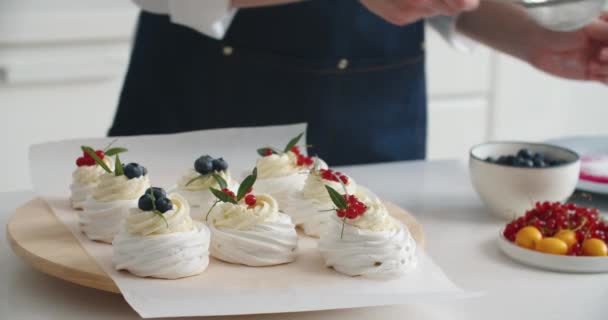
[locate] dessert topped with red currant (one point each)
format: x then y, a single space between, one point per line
561 229
247 228
306 205
287 161
87 174
283 172
362 239
194 184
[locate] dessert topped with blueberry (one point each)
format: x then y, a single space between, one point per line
526 158
194 184
200 176
87 173
160 240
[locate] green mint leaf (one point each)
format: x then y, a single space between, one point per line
194 179
254 173
97 159
211 209
115 151
262 151
293 142
336 198
118 170
222 196
246 184
220 181
160 214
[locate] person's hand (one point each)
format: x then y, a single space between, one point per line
402 12
579 55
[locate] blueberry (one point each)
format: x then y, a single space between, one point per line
528 163
219 164
511 160
133 170
158 192
539 163
502 160
520 162
538 157
145 203
524 153
204 165
163 204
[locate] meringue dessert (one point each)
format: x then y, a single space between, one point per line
114 196
160 240
281 173
248 228
362 239
87 173
308 207
195 183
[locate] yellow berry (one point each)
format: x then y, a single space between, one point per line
527 237
552 246
567 236
595 247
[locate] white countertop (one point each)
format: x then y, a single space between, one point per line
460 237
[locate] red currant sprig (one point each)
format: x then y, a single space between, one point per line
229 193
355 208
250 200
331 175
87 160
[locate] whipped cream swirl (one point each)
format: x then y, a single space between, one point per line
197 193
277 165
203 183
168 255
374 246
111 187
84 181
145 223
258 236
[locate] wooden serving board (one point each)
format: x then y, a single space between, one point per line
36 235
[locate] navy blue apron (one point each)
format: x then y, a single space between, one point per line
357 80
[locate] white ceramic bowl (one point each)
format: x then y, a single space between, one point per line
509 191
550 261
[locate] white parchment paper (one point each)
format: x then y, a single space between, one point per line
225 289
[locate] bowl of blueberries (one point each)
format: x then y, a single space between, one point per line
511 176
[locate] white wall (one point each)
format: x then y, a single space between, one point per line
58 81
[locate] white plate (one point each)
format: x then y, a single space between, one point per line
550 261
586 146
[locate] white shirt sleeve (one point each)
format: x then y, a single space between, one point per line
446 27
209 17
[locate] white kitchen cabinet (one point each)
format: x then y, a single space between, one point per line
61 68
530 105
